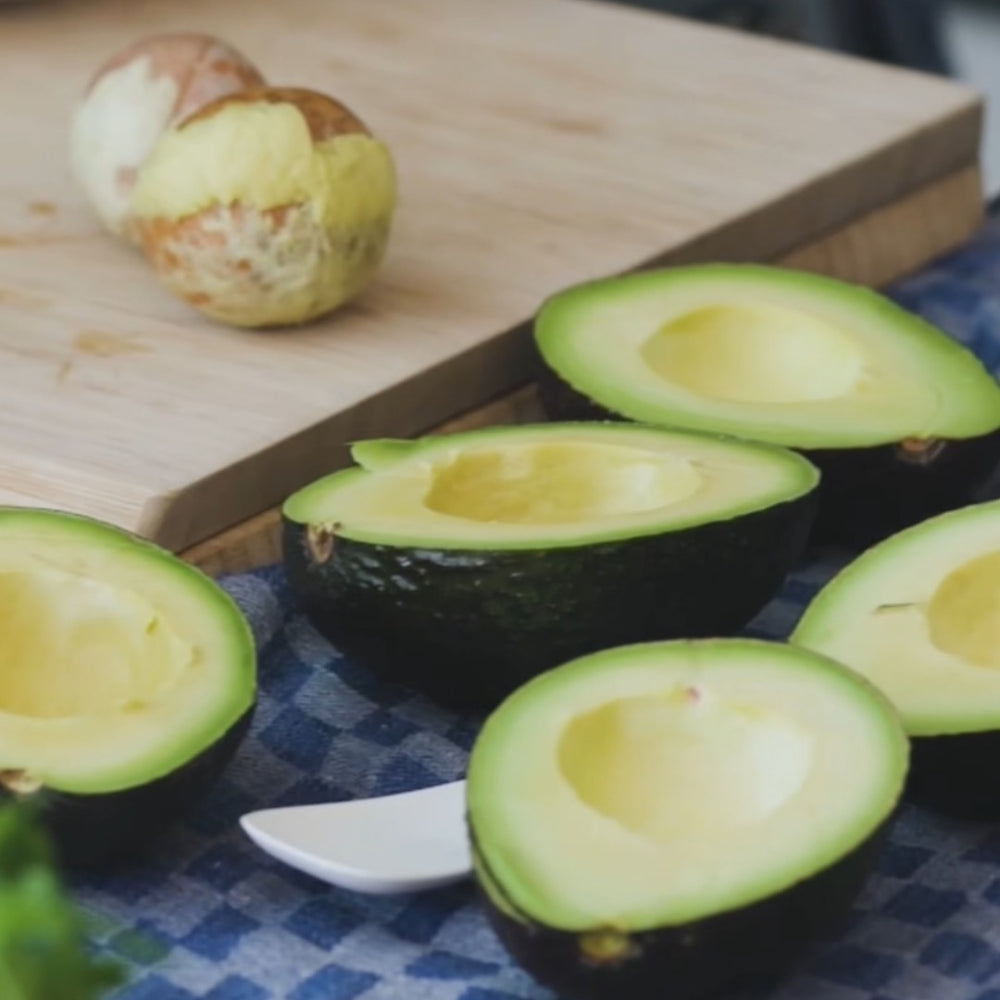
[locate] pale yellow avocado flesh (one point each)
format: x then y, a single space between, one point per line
558 483
919 615
756 354
655 784
72 647
118 662
549 484
633 758
767 353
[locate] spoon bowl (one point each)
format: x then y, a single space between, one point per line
390 844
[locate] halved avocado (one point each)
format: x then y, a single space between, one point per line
901 419
669 819
127 681
464 564
919 615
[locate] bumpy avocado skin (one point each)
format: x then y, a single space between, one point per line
467 627
866 494
947 774
102 831
750 946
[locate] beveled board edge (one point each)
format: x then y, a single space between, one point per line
878 248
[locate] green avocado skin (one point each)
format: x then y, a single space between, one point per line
871 493
866 494
750 946
947 774
468 627
104 830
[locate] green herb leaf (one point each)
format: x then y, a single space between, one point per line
44 952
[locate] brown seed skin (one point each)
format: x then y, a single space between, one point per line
325 116
136 95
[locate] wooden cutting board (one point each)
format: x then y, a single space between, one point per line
538 142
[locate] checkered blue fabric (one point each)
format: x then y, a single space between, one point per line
210 916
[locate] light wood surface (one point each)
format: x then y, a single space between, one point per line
877 249
539 143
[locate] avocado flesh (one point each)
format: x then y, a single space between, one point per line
767 353
119 664
650 786
919 615
545 486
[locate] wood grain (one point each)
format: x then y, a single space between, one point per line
538 144
900 237
876 250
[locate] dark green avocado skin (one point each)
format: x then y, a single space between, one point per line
102 831
871 493
751 946
954 775
467 627
866 494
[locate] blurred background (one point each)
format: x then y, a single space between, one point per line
958 38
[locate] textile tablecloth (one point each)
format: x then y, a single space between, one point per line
208 915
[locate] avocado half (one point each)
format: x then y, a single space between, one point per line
901 419
127 681
669 819
464 564
918 615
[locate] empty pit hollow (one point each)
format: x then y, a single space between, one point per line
963 614
755 353
558 483
76 646
679 763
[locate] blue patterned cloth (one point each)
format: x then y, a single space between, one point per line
210 916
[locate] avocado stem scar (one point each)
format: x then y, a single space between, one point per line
320 540
920 451
19 781
607 946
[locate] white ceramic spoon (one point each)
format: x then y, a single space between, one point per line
394 843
